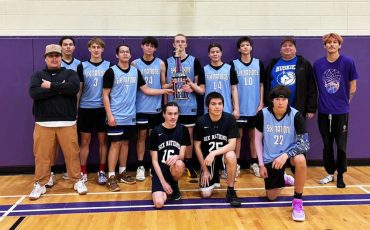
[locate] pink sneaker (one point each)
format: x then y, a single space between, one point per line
298 213
289 180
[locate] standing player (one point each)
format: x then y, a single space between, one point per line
69 62
193 70
148 108
336 77
215 136
121 83
168 142
221 77
91 115
68 48
251 75
281 135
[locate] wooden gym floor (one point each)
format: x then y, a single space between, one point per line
326 206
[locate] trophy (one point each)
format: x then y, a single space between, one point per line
179 80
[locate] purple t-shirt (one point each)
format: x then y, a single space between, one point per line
333 84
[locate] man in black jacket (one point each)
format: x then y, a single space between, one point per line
53 91
296 73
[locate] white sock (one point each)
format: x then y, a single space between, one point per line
121 169
111 174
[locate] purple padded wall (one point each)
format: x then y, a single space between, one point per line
24 55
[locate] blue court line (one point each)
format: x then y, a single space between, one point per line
185 204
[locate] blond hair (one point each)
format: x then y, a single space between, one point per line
97 41
334 36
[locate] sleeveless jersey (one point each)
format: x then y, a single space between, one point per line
219 81
93 85
278 136
189 106
123 95
73 65
152 76
248 87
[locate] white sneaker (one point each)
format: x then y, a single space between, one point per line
51 181
140 173
80 187
224 174
37 191
65 176
327 179
255 169
237 170
84 177
288 180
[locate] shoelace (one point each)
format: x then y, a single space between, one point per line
298 206
232 193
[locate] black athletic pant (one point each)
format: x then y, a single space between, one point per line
334 128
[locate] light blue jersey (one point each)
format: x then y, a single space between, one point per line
219 81
123 95
152 76
189 106
72 65
278 136
248 87
93 85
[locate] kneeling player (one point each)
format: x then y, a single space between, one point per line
281 135
168 142
215 136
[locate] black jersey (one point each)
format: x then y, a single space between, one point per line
214 135
167 142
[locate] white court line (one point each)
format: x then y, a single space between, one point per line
185 190
12 208
182 205
364 189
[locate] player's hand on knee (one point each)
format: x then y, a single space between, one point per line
280 161
172 160
209 159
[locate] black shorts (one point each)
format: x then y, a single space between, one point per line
246 122
120 132
275 177
187 120
218 165
156 183
90 120
148 121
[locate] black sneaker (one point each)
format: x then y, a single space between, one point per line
232 198
340 182
176 195
191 171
